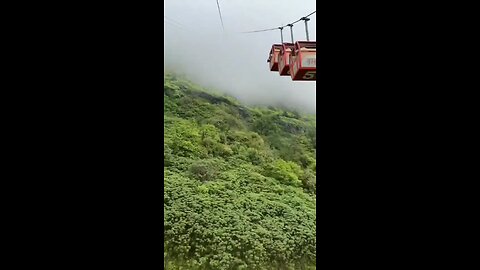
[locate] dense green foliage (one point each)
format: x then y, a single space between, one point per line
239 183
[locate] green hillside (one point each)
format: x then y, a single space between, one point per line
239 183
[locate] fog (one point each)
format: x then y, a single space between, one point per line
235 63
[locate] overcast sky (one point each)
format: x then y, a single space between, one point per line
235 63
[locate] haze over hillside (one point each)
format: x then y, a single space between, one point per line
196 45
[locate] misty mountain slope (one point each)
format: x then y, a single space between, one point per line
239 183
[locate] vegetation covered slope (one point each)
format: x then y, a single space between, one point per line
239 183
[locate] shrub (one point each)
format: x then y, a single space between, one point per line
204 170
286 172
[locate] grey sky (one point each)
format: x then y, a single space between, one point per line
196 45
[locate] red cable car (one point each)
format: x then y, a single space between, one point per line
303 61
273 57
284 59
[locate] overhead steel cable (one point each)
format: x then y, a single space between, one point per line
279 27
264 30
173 23
172 20
310 14
175 26
220 13
170 23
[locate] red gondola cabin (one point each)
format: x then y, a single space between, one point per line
284 59
273 57
303 61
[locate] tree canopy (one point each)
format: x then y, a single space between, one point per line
240 182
